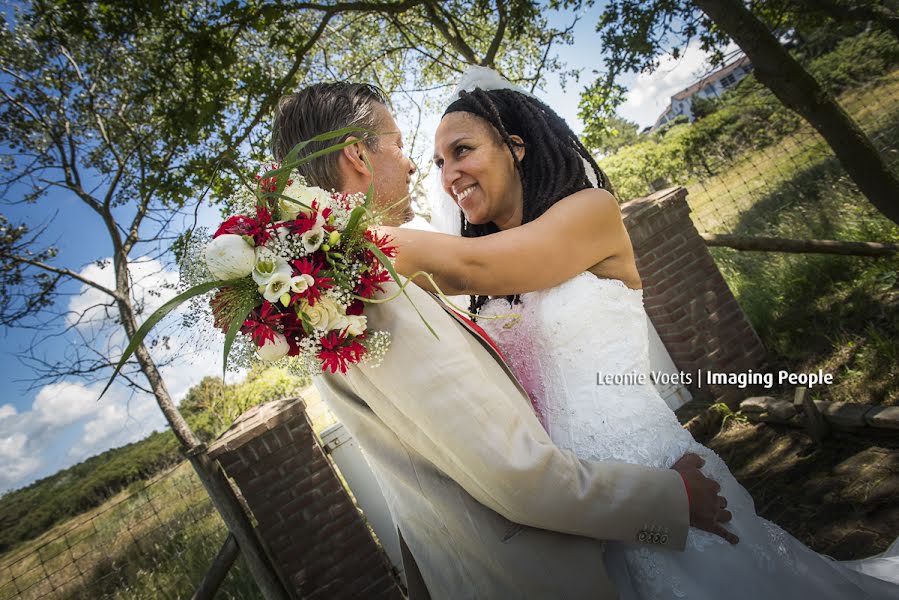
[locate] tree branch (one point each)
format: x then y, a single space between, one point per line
61 271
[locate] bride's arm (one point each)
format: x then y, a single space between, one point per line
572 236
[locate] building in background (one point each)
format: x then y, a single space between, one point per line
711 86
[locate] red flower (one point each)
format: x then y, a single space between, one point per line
237 225
270 184
261 322
338 353
370 282
356 307
382 242
304 266
304 222
260 228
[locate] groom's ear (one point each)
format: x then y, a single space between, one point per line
354 156
518 145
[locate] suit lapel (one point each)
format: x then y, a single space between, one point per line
488 346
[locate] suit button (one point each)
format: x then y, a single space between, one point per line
656 538
664 539
641 537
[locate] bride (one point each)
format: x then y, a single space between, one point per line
542 236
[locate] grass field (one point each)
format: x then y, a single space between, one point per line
154 540
778 175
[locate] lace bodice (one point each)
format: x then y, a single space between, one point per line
579 349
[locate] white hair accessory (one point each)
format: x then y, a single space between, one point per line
486 79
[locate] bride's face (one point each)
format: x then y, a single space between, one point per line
478 171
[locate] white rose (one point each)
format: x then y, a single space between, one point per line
323 315
304 195
357 324
229 256
268 264
275 349
277 286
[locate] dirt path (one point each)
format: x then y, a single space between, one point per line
842 500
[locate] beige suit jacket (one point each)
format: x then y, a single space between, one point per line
486 505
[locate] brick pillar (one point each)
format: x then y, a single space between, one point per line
686 297
315 536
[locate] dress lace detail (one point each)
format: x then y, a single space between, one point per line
579 349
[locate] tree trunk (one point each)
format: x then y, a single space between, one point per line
798 90
209 472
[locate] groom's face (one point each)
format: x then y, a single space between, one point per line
392 171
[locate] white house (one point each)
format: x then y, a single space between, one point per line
711 86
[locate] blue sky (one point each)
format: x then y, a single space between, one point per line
57 425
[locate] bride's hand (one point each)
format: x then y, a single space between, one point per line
707 508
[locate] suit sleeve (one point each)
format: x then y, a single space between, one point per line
449 401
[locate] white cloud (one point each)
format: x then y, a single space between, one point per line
651 93
7 410
17 462
60 404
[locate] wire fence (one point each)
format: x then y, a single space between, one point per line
155 541
795 186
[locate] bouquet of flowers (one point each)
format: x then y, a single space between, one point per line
292 272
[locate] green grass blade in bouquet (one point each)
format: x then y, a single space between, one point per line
155 318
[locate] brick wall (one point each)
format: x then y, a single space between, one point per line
694 312
307 521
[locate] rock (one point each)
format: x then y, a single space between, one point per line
844 414
885 417
766 408
757 404
781 411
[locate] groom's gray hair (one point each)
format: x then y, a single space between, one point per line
318 109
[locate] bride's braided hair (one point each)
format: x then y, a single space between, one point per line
554 161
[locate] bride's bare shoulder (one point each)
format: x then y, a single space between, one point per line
590 206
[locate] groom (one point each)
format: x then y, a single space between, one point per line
485 504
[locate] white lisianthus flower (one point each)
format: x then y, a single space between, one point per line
304 195
324 315
229 256
301 283
278 284
315 237
275 349
357 324
267 265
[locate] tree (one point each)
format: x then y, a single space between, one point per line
619 132
637 34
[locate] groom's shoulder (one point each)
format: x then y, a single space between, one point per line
404 306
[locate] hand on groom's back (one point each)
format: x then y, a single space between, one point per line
707 508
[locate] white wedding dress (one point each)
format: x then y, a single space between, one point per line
587 325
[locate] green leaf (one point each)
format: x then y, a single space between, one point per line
234 327
389 266
155 318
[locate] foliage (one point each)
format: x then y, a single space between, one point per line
209 407
657 156
619 133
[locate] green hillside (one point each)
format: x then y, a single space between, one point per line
210 407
